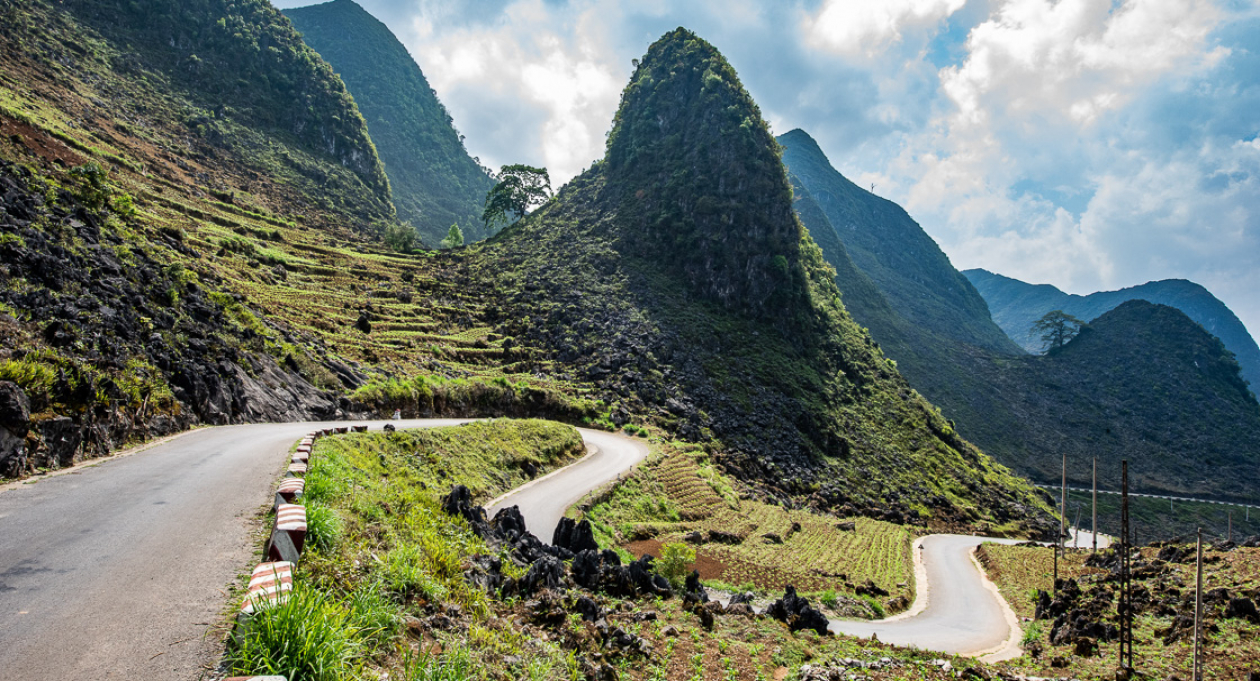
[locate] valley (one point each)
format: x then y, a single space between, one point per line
221 218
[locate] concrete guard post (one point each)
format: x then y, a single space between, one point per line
269 584
291 488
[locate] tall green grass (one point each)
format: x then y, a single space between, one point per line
307 637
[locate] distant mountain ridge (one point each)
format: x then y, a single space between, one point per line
1016 305
434 180
894 251
1147 384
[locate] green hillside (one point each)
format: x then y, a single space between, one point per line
675 278
1142 382
1016 305
893 250
435 182
1025 410
244 71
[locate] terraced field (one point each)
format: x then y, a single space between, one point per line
679 496
312 283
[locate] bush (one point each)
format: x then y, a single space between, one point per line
323 527
676 559
400 236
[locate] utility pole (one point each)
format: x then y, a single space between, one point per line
1093 524
1126 592
1063 502
1198 611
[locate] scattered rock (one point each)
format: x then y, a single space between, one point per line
1242 608
796 612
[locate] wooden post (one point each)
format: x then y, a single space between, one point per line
1198 611
1230 538
1093 524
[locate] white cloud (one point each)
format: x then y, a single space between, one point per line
546 75
1074 59
867 27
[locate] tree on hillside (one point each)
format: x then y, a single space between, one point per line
454 237
1056 328
520 187
400 236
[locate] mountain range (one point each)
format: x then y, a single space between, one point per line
1145 383
1015 305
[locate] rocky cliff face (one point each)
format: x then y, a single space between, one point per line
700 181
112 343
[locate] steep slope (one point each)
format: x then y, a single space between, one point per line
1142 382
885 243
116 189
242 62
1016 305
1015 407
674 277
435 182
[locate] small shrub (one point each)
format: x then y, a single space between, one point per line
829 598
676 558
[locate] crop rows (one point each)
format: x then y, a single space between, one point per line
776 546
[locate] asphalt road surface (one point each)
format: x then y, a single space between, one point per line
120 570
544 501
963 615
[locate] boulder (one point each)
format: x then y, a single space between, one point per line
1242 608
575 537
796 612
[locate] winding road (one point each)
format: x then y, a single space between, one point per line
119 569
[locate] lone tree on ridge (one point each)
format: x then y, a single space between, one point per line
1056 328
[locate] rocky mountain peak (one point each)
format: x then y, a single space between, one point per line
699 179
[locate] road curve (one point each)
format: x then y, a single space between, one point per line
964 614
119 569
544 501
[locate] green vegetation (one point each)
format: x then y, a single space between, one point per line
435 183
679 495
248 68
1056 328
383 491
676 560
454 238
519 188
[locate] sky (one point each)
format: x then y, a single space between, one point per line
1088 144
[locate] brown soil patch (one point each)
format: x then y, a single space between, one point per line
708 566
39 142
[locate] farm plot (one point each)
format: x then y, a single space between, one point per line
741 542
